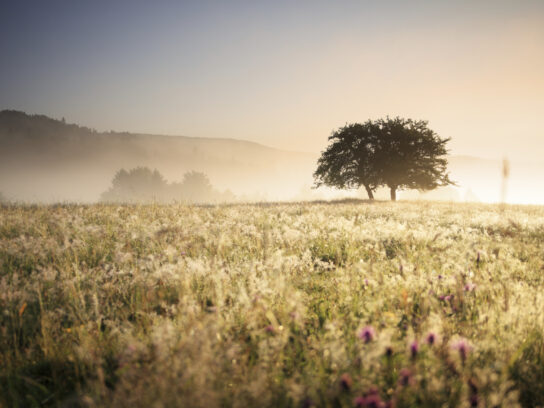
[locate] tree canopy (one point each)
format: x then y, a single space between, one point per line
394 152
142 184
138 184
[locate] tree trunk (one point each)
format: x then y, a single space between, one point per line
393 193
369 192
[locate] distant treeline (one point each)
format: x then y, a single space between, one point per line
142 184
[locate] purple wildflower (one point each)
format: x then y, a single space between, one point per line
270 329
405 377
389 351
373 401
359 401
346 382
430 339
370 400
414 349
469 287
463 348
367 334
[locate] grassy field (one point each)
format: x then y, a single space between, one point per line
339 304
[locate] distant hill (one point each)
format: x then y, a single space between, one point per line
47 159
44 159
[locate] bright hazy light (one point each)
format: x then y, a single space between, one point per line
286 74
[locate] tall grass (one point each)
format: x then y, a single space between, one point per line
406 304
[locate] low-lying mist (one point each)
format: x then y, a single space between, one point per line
46 160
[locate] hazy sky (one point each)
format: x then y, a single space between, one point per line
282 73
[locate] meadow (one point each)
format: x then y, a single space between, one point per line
294 305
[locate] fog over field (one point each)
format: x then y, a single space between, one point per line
48 160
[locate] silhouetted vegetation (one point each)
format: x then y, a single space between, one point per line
142 184
397 153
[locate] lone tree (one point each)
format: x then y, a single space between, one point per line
397 153
348 162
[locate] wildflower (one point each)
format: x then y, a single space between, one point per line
371 399
270 329
469 287
430 339
440 277
389 351
405 377
446 298
367 334
474 400
359 401
414 349
462 347
346 382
